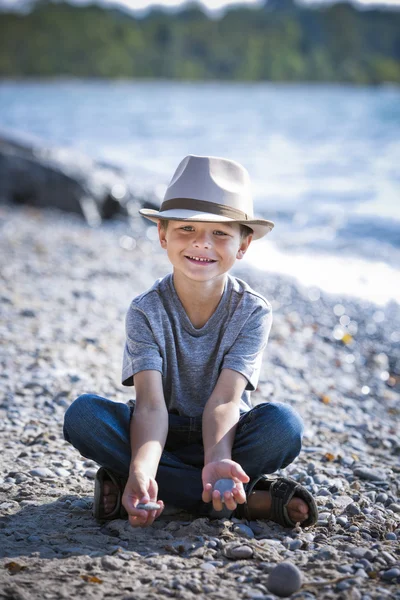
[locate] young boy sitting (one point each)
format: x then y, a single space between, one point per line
194 345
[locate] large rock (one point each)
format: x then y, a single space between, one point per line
62 178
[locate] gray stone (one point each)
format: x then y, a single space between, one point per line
111 563
284 580
90 473
391 536
390 560
391 574
323 492
148 506
327 553
61 472
42 472
79 504
207 566
353 509
295 544
394 507
381 497
224 485
60 178
361 573
236 552
209 589
370 474
344 569
358 552
244 530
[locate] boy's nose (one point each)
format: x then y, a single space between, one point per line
202 240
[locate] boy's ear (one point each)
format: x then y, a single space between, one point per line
161 235
244 244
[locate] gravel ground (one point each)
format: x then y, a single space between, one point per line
65 289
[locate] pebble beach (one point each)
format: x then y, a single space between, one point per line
65 290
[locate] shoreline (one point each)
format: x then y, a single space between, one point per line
66 288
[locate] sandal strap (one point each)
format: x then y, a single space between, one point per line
282 490
119 511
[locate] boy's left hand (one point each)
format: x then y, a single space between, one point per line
224 469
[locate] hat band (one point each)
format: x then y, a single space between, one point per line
204 206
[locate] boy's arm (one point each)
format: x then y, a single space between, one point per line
220 418
148 432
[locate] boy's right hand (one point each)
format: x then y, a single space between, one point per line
142 488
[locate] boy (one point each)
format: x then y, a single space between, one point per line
193 352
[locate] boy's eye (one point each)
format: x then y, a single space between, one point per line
218 232
187 228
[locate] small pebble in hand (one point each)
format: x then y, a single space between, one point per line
224 485
148 506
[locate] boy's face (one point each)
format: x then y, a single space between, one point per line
203 251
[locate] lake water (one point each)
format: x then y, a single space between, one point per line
324 160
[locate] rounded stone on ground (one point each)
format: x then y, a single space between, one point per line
207 566
111 563
391 574
284 580
90 473
61 472
381 498
244 530
295 544
353 509
79 504
42 473
237 552
370 474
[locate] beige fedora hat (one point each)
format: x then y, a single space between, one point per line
208 188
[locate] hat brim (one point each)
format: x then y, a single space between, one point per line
260 227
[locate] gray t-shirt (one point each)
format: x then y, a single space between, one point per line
161 337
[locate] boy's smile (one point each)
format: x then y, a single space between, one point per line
201 259
202 251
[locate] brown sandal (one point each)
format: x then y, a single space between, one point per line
282 490
119 511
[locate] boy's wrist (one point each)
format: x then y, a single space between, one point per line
216 455
137 467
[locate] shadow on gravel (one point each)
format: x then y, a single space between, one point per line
66 528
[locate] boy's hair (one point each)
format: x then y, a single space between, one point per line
244 230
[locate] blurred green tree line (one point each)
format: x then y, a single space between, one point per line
279 41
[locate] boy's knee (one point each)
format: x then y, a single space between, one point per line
286 420
292 420
77 414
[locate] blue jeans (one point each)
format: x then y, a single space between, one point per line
267 438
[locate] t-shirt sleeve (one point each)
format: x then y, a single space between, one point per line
245 354
141 352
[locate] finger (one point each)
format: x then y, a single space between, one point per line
162 506
129 503
138 520
217 501
207 493
144 499
239 473
229 501
150 518
153 490
239 494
